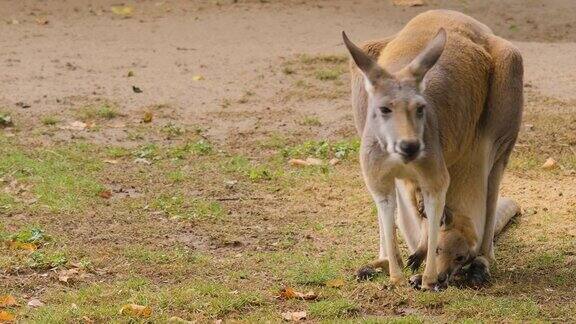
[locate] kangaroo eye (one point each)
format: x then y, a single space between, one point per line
420 110
385 110
460 258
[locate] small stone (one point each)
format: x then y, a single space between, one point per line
549 164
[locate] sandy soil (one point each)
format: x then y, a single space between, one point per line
85 51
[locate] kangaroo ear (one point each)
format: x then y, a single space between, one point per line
365 63
428 57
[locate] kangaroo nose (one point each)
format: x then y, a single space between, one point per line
409 148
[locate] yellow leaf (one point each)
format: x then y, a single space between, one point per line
6 317
125 11
14 245
197 78
7 300
136 310
147 117
335 283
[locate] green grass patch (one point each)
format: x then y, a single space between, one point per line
333 308
180 207
323 149
50 120
93 112
61 179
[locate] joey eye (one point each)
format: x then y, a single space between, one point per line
420 110
385 110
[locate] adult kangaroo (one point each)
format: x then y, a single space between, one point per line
439 106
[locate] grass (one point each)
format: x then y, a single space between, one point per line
211 230
50 120
92 112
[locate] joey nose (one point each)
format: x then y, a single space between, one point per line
409 148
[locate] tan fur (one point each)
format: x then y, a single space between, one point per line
474 106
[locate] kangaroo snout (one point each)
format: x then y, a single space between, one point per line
409 149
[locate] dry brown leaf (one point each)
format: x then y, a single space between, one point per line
294 316
67 274
124 11
6 316
178 320
136 310
111 161
7 300
148 116
335 283
106 194
549 164
408 3
313 161
334 161
42 21
289 293
35 302
14 245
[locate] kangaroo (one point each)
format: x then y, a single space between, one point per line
456 244
439 105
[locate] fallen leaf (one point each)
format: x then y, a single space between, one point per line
549 164
35 302
111 161
75 125
335 283
130 74
6 316
334 161
15 245
408 3
178 320
294 316
124 11
67 274
197 78
289 293
7 300
136 310
297 162
147 117
313 161
106 194
42 21
135 89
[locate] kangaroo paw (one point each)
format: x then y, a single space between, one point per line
478 274
416 281
415 260
371 270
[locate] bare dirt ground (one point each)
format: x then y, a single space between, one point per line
196 213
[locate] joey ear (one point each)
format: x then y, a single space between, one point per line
365 63
447 218
422 63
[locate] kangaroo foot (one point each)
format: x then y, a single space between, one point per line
416 281
479 273
371 270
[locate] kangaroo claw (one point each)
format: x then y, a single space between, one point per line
415 260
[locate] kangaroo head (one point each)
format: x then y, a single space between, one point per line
396 107
454 248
